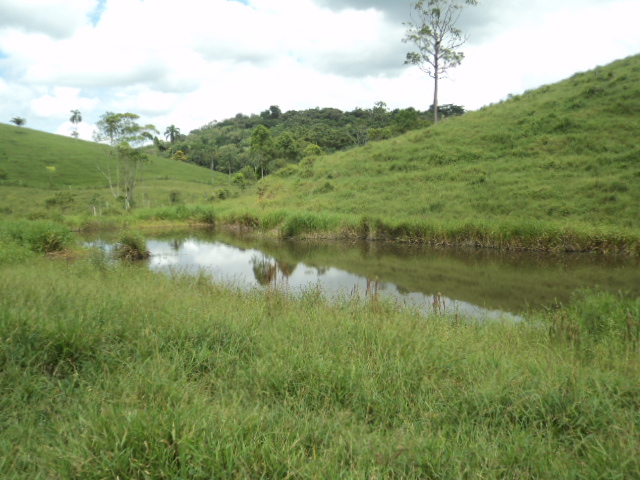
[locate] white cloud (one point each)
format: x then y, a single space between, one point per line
56 18
193 62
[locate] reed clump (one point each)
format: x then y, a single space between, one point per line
131 247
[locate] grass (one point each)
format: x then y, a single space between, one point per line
112 371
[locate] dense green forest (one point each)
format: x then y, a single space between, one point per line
230 145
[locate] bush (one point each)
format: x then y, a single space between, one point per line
175 197
38 236
131 247
60 199
249 174
239 180
222 193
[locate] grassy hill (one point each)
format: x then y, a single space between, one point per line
562 156
557 168
39 166
25 155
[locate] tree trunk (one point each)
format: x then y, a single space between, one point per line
435 92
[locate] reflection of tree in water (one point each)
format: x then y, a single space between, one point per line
322 270
286 268
176 244
266 270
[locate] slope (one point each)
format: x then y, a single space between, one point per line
560 158
42 160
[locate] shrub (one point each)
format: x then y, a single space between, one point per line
326 188
222 193
39 236
131 247
249 173
60 199
312 150
175 197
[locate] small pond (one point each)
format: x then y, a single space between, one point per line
473 282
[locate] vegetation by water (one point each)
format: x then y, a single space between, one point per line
112 371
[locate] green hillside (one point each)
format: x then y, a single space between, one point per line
564 154
50 176
25 155
557 168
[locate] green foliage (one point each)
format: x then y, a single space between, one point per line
223 193
312 150
121 128
239 180
172 133
39 236
18 121
175 196
332 129
307 223
60 199
130 247
249 174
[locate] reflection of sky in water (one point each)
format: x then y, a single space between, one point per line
234 265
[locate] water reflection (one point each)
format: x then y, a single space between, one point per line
474 282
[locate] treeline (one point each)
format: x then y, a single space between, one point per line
260 144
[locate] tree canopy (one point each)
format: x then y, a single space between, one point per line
172 133
230 143
18 121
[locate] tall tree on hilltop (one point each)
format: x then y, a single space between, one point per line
434 34
19 121
172 133
76 118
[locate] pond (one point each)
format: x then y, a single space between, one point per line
480 283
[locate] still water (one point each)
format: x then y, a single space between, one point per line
473 282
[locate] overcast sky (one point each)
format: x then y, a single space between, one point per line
193 61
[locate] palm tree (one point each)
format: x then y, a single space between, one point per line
19 121
172 133
76 118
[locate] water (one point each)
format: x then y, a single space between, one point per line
481 283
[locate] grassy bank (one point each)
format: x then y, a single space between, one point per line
115 372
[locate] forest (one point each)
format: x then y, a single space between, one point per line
269 141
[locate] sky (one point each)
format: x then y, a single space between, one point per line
191 62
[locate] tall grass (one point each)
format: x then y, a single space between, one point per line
123 373
39 236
